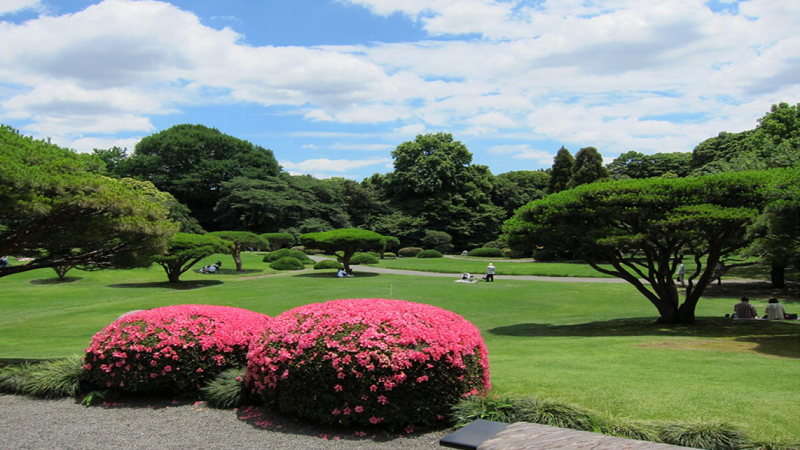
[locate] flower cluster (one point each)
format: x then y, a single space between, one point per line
175 348
368 362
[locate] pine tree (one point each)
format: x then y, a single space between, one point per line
561 173
588 167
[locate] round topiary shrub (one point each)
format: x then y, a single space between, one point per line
486 252
327 264
409 252
389 255
429 254
170 349
287 263
363 258
370 361
284 252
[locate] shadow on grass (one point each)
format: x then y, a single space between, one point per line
46 281
332 275
182 286
756 290
234 272
777 338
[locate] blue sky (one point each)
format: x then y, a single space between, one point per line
333 86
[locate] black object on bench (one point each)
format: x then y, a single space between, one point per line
473 435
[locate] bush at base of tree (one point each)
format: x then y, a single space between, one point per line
174 349
308 251
486 252
380 362
287 263
363 258
284 252
278 241
430 254
389 255
328 264
409 252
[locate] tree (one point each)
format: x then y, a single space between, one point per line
776 233
513 189
192 162
278 241
638 165
185 250
588 167
55 207
561 172
241 240
642 227
405 227
114 159
392 244
434 180
346 240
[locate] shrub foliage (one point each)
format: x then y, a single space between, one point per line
284 252
327 264
409 252
430 254
486 252
363 258
170 349
287 263
369 361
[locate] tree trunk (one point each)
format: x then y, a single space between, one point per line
776 274
61 271
237 258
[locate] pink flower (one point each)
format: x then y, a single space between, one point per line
375 420
359 409
338 388
422 378
383 400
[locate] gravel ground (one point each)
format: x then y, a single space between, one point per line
32 424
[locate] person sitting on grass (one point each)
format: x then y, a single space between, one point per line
341 273
744 310
775 310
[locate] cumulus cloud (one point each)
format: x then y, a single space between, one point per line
12 6
324 165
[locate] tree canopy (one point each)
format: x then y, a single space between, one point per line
193 161
642 227
588 167
241 241
561 172
56 207
347 240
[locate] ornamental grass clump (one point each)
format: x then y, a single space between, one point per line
368 362
174 349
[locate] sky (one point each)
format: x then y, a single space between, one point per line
333 86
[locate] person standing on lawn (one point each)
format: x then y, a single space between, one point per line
490 272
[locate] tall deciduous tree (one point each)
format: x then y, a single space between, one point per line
588 167
192 162
56 207
561 172
185 250
514 189
242 241
641 228
346 240
434 180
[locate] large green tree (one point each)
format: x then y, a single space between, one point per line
193 161
561 172
514 189
345 240
185 250
588 167
434 179
55 206
638 165
642 227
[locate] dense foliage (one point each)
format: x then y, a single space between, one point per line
327 264
370 361
241 241
278 241
287 263
642 227
174 349
363 258
409 252
490 252
55 207
561 172
430 253
278 254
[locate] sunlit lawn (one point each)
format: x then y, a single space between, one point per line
589 344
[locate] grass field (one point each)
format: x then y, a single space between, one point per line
593 345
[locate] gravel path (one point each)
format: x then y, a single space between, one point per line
31 424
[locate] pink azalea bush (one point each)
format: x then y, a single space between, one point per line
170 349
368 362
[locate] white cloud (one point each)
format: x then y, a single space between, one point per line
361 147
325 165
522 151
12 6
88 144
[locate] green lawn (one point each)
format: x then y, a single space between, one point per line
589 344
504 267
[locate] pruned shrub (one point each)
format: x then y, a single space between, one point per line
409 252
284 252
363 258
287 263
430 254
327 264
370 361
173 349
486 252
389 255
308 251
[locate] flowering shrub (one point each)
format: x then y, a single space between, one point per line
368 361
174 349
